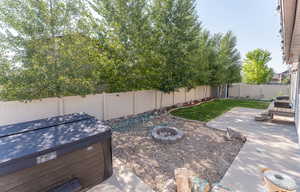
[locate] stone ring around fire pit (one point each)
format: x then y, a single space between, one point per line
166 134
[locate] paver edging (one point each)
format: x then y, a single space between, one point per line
184 119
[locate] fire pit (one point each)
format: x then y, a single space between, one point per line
166 134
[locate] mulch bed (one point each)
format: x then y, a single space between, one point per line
203 150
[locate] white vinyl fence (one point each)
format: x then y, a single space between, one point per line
103 106
264 91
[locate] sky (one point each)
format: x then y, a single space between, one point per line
255 23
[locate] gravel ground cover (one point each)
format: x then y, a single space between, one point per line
203 150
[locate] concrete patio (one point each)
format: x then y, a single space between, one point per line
269 145
122 180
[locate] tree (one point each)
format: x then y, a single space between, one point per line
286 80
176 29
54 48
255 69
50 50
125 35
270 74
230 57
225 67
204 58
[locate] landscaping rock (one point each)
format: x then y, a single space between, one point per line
202 150
169 186
219 188
231 134
183 177
264 116
200 185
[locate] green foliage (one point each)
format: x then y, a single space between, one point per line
176 29
226 66
204 58
255 69
53 55
211 110
286 80
54 48
125 37
270 74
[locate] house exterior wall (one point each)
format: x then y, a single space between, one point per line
295 96
290 32
294 77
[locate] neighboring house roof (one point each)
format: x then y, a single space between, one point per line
290 23
280 76
287 72
276 76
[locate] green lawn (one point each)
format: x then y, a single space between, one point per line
210 110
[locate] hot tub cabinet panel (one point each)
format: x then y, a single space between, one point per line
46 155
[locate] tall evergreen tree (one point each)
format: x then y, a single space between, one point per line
76 47
204 58
177 29
225 68
124 34
49 48
230 58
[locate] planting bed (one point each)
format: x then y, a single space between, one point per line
203 150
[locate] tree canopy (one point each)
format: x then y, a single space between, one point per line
54 48
255 69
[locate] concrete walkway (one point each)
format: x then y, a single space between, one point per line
123 180
269 145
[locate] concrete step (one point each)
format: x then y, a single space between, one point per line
107 186
286 112
285 97
262 118
282 112
282 103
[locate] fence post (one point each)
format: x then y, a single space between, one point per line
103 105
174 98
133 103
61 106
184 94
155 95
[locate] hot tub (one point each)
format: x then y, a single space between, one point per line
45 154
